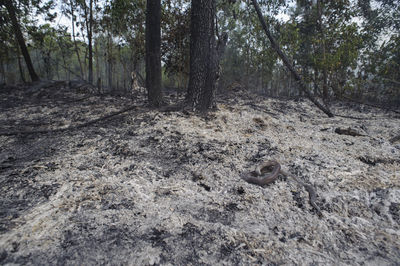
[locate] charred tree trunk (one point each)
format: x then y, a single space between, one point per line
285 60
203 56
20 38
153 52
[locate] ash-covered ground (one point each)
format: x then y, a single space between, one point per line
164 188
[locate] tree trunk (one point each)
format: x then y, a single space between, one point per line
21 71
325 90
3 73
105 57
96 54
73 37
203 56
89 25
110 60
153 52
285 60
20 38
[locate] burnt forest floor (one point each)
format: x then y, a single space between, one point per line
146 187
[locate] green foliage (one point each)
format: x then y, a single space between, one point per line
326 43
342 47
175 27
380 60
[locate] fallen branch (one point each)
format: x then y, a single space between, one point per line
57 130
285 60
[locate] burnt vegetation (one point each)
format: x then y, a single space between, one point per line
127 126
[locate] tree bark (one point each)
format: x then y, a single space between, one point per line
285 60
153 52
20 38
203 56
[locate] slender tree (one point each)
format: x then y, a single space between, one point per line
203 56
153 52
88 11
72 6
21 71
20 38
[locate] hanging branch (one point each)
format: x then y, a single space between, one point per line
287 63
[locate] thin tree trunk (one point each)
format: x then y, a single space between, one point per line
109 61
21 71
67 73
120 66
153 52
325 89
3 72
20 38
124 79
73 37
105 57
124 71
89 28
66 76
287 63
203 56
85 62
96 55
315 82
58 72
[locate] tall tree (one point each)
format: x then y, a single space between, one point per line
20 38
203 56
153 52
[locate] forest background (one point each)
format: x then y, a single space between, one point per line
342 49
